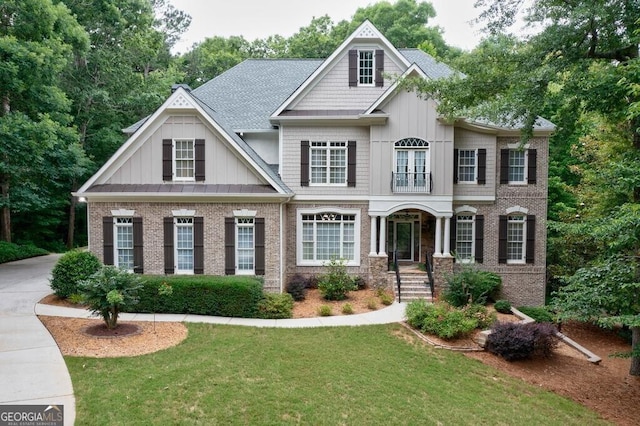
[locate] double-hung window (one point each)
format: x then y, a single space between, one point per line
328 235
365 67
245 246
516 232
184 245
467 171
517 166
183 159
123 237
465 237
328 163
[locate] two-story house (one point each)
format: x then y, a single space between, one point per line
277 166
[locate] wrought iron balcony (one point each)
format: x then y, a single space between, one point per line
411 183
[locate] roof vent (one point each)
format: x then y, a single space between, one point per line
183 85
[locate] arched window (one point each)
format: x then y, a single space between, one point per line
412 166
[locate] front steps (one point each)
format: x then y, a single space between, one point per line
413 285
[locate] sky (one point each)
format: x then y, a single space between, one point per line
255 19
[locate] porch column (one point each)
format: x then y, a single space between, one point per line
374 230
382 250
438 249
447 232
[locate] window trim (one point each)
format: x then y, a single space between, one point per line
525 173
523 244
373 68
238 225
327 148
300 261
176 225
472 215
174 160
116 225
475 167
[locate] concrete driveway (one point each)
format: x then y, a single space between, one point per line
32 370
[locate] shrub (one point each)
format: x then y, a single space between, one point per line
481 314
502 306
372 304
108 291
336 283
312 282
228 296
347 309
10 251
447 322
416 313
325 311
73 267
386 299
538 313
514 341
276 306
472 286
76 299
360 282
297 287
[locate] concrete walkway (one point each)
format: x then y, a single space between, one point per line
32 370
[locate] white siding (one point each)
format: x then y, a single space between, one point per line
290 169
222 164
410 116
333 91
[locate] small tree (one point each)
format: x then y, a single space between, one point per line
110 290
336 283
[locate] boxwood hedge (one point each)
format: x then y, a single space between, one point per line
227 296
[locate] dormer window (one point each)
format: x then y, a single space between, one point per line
183 159
366 68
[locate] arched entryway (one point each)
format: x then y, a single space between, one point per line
410 236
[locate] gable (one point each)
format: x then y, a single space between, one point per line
221 164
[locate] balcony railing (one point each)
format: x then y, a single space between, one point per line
415 183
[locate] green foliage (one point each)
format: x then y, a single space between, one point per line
386 299
538 313
10 252
72 268
297 287
275 306
502 306
514 341
481 314
228 296
109 291
347 309
447 322
416 313
372 304
336 283
325 311
470 285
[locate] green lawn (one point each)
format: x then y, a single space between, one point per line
322 376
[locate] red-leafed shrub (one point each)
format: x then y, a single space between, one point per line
514 341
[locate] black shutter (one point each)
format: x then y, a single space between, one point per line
453 226
479 249
531 239
379 68
482 166
107 240
198 245
351 163
456 155
167 160
199 163
260 249
532 170
304 163
229 246
169 263
502 240
138 259
353 68
504 166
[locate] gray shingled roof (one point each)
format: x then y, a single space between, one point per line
428 64
246 95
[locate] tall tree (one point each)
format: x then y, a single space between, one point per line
37 40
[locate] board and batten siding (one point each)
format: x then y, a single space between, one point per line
290 167
332 92
222 164
467 139
411 117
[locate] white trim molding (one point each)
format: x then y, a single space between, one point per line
465 208
517 209
122 213
245 213
183 213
